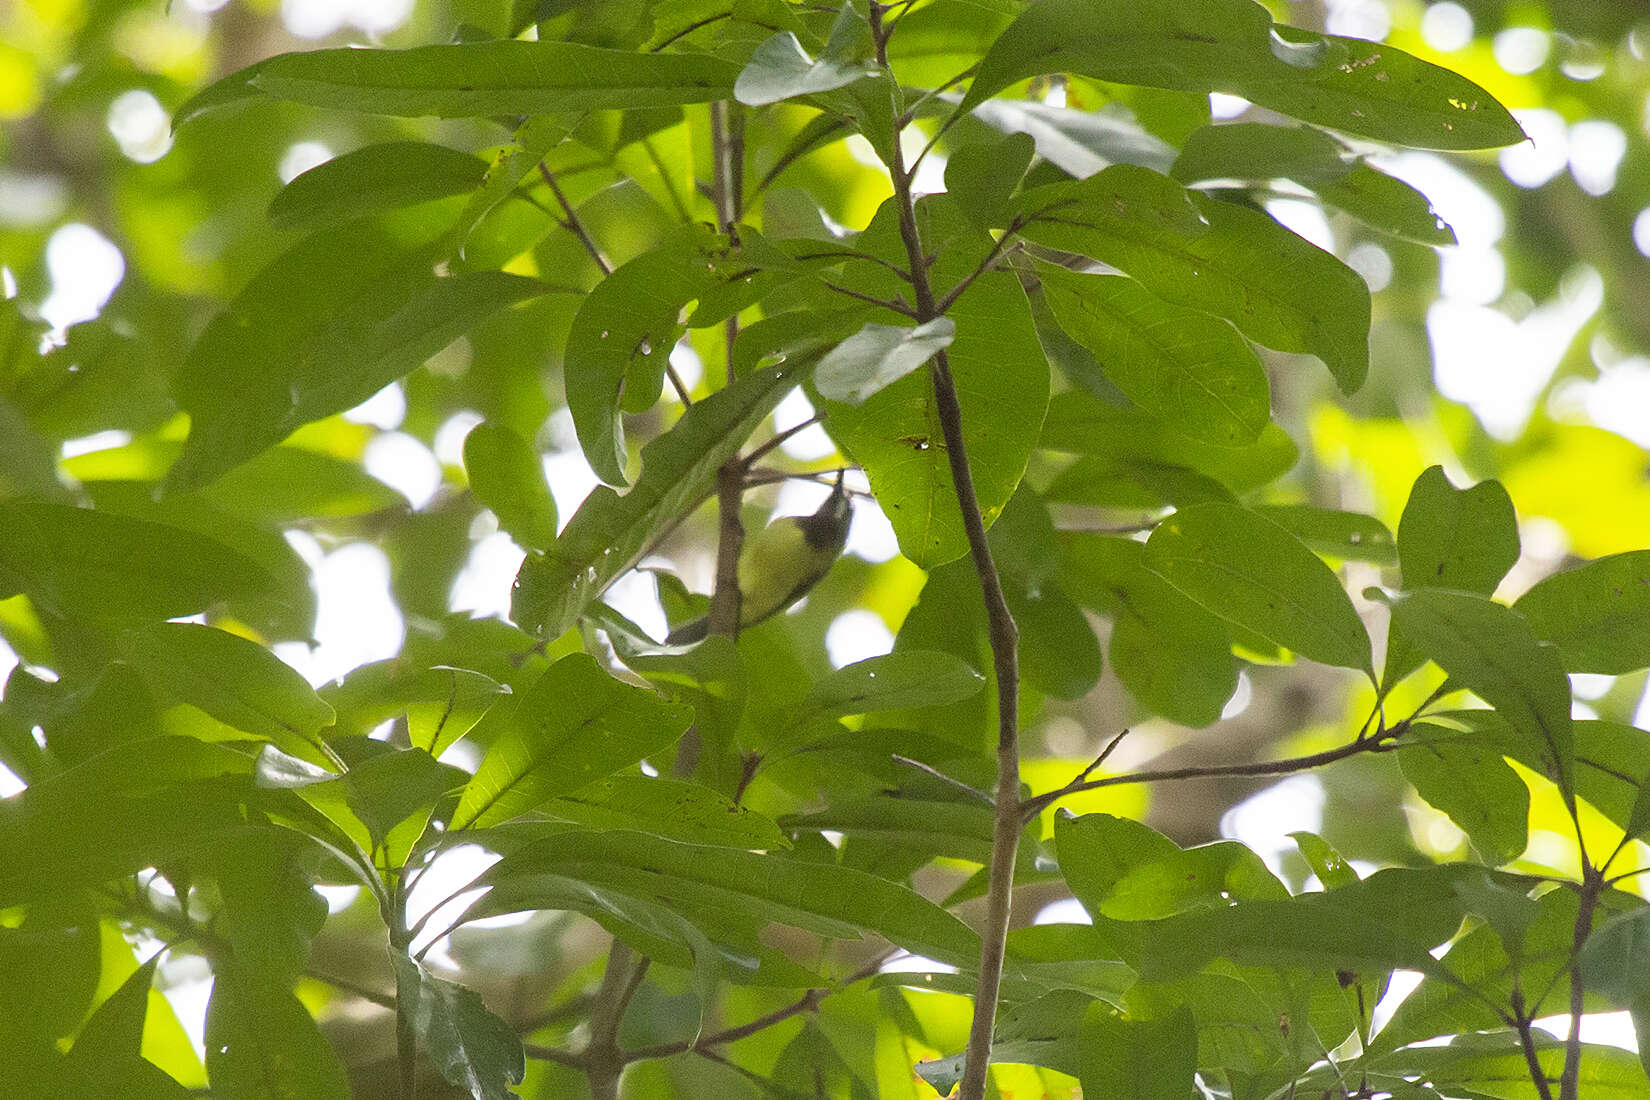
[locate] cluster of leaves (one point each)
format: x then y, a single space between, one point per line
1096 284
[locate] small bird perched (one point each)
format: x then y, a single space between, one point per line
782 562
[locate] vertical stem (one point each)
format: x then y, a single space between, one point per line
727 162
1002 633
603 1061
1592 884
406 1037
1526 1040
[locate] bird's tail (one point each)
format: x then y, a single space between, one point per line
695 630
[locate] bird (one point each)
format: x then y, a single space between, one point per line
782 562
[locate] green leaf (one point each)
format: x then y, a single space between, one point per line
137 805
715 886
909 678
236 681
1387 204
473 80
1139 1059
983 175
1232 46
377 794
507 475
877 356
270 911
114 1032
1256 151
1597 614
51 958
1464 539
1495 1065
1465 777
609 533
473 1048
1350 535
1217 257
667 808
1393 918
781 69
1209 874
261 1044
1002 381
1174 657
574 726
928 827
511 164
1079 143
622 338
1250 571
1615 963
373 179
325 326
1191 370
1329 865
1059 653
1489 649
101 565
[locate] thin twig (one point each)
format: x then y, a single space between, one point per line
895 304
690 28
551 1054
1286 766
780 438
573 223
806 1003
985 265
372 996
678 385
972 792
1111 747
849 254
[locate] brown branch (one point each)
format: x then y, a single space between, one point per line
1592 884
601 1059
806 1003
1526 1041
1286 766
1003 634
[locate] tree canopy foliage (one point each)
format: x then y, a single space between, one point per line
1233 685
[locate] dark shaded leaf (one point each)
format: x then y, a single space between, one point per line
473 1048
261 1044
1138 1059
